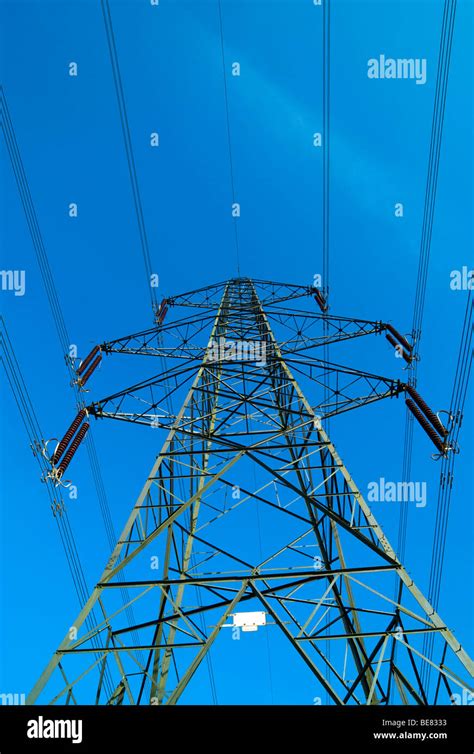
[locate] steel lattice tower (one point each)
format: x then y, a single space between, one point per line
237 356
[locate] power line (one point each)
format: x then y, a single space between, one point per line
456 411
58 508
53 298
129 149
444 57
58 317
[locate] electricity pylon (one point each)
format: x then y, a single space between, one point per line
235 356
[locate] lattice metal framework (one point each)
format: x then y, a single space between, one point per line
235 356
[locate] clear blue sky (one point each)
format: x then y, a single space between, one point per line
69 134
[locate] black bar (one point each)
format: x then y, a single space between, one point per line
116 728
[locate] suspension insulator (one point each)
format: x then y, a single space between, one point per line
319 298
72 449
87 360
439 427
399 348
392 341
92 368
67 437
162 315
401 339
162 309
426 426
